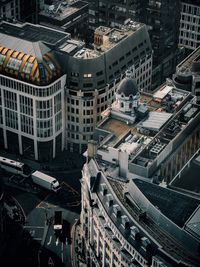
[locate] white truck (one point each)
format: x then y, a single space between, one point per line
45 181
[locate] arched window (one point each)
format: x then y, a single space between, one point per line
121 104
130 105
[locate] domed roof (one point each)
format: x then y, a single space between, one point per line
128 87
39 67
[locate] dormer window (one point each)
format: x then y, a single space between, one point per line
104 189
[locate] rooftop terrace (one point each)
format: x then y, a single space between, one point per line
111 37
60 10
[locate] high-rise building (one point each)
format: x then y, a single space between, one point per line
189 36
10 9
21 10
129 217
29 10
46 108
162 19
71 17
115 12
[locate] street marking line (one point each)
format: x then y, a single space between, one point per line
49 241
72 189
50 262
62 257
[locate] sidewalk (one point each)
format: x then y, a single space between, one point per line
75 252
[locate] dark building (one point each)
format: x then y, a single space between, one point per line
29 10
163 22
10 9
21 10
113 13
69 17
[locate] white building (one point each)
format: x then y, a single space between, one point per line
126 220
189 35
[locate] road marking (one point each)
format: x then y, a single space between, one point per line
49 240
62 253
50 262
37 238
45 205
71 188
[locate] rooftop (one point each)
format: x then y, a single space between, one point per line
160 113
60 10
33 33
193 224
189 178
148 229
24 55
190 63
110 38
175 206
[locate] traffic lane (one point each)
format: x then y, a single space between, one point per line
28 201
58 243
58 249
66 198
71 178
36 232
47 258
36 217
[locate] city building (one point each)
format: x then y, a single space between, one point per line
129 217
53 88
29 11
32 92
189 36
115 13
21 10
162 19
71 16
94 73
10 9
187 76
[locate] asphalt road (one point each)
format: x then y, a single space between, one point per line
39 207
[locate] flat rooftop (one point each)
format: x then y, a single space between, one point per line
175 206
33 33
60 10
112 37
